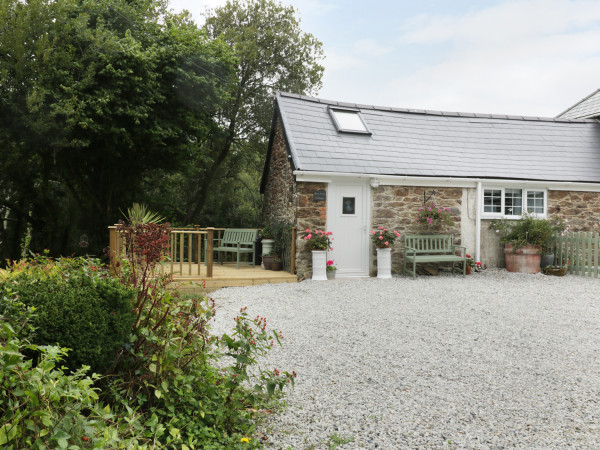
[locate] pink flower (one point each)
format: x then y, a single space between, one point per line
329 233
380 228
387 243
385 229
372 232
330 262
468 256
381 237
308 230
478 263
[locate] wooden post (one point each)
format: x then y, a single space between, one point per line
209 252
199 249
113 249
293 252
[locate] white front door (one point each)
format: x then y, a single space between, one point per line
347 218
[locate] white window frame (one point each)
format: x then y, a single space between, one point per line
338 126
524 190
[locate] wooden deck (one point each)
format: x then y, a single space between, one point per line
226 275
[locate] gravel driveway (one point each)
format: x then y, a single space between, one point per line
490 361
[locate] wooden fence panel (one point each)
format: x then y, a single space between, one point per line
579 252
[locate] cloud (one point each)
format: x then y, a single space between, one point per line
370 47
522 57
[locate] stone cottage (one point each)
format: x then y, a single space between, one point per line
349 168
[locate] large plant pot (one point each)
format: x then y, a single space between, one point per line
547 260
384 263
525 259
267 261
276 266
319 265
267 247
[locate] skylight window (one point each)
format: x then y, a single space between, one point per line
349 121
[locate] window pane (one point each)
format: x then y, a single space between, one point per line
348 205
535 202
492 201
349 120
513 202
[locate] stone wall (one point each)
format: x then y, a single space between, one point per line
581 209
396 207
311 215
280 188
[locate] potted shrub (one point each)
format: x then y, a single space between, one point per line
331 270
276 264
383 239
525 239
267 241
318 242
267 260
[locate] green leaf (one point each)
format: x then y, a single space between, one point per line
157 393
152 368
271 387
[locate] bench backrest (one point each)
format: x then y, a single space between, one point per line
241 235
430 243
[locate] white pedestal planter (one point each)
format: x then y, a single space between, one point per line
319 265
267 247
384 263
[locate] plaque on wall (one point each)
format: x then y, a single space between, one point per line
320 195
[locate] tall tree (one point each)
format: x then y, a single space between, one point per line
273 54
94 96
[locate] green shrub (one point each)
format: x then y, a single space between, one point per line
78 306
42 407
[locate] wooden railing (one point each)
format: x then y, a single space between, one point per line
190 248
579 252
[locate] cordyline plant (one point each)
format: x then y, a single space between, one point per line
384 238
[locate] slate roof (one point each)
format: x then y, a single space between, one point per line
584 109
440 144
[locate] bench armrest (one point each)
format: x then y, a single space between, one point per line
463 251
408 249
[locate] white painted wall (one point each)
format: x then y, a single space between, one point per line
467 219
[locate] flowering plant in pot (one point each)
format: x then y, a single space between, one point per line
383 239
318 242
330 270
472 265
434 217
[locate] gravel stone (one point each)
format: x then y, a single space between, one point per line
493 360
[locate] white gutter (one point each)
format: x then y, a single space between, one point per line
478 223
399 180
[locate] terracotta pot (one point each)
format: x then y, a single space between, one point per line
276 265
525 259
267 261
468 270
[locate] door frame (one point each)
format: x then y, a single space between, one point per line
335 187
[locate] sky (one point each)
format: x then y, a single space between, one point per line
519 57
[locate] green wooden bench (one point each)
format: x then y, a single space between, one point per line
432 248
237 240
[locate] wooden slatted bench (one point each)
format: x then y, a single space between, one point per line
237 240
432 248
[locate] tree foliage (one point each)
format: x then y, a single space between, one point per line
93 98
273 54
